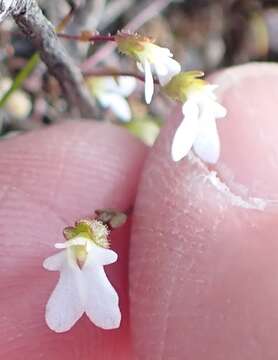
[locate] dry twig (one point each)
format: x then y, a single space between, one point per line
40 31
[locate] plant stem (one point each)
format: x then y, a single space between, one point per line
31 64
116 74
20 77
86 37
147 13
30 19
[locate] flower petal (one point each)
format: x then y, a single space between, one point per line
118 105
187 131
66 303
166 70
78 240
140 66
219 111
207 144
102 305
149 84
163 52
126 85
160 69
109 84
209 90
55 262
101 256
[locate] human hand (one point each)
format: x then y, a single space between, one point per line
202 266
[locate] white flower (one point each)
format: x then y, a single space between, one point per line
111 94
158 60
198 127
83 288
150 58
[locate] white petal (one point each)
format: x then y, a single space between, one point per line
208 102
160 69
166 70
140 66
61 245
163 52
149 84
102 305
56 261
187 131
102 256
218 110
174 67
207 144
78 240
126 85
66 304
118 105
210 89
109 84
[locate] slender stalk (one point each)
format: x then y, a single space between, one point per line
20 78
116 74
87 37
87 15
149 11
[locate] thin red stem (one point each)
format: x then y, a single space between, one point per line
85 37
151 10
116 74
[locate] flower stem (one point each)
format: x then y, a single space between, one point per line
117 74
87 37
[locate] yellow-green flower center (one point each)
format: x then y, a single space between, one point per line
135 45
184 83
93 230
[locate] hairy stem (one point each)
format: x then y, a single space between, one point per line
147 13
86 37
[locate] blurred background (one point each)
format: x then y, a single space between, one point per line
202 34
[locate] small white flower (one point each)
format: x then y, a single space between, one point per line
111 94
158 60
198 127
151 58
83 288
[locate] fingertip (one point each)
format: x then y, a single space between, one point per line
52 178
202 249
249 150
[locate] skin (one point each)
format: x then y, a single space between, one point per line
53 177
202 270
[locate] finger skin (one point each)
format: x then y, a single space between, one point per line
249 164
203 260
48 180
